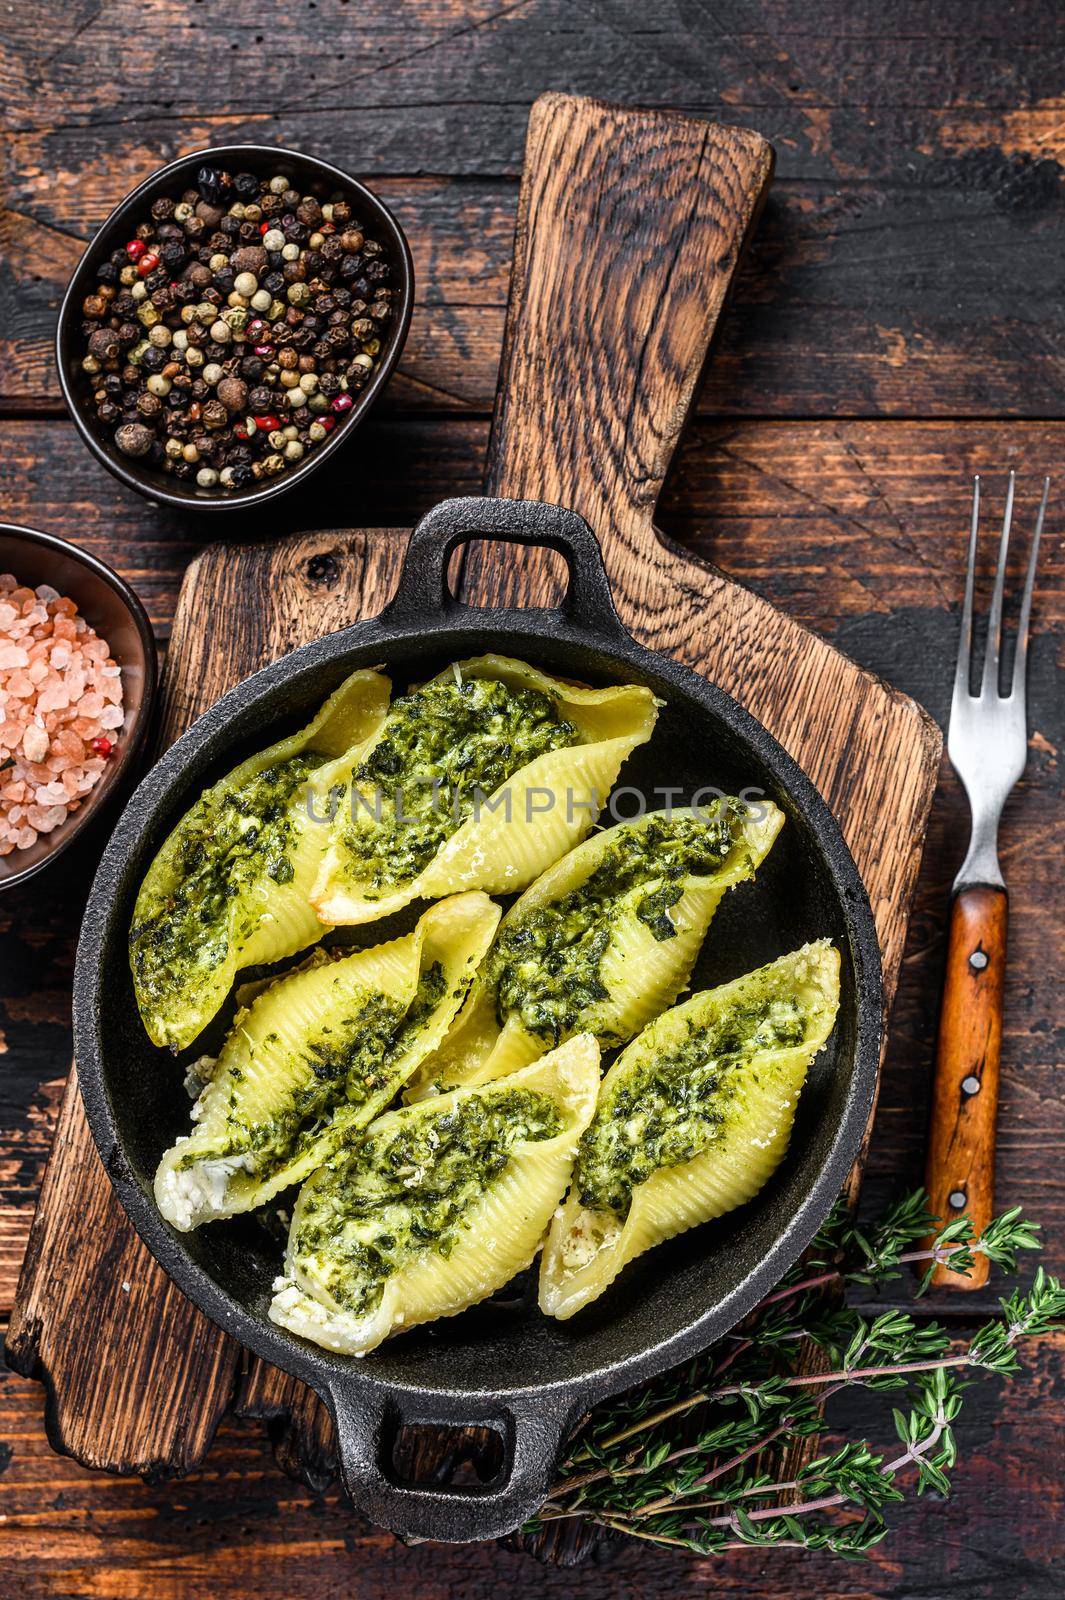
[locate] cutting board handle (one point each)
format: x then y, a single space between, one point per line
630 226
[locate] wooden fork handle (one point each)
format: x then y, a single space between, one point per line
961 1147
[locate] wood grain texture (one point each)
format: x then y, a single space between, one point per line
961 1136
856 528
137 1378
596 429
912 141
907 266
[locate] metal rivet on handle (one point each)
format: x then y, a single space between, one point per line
978 960
956 1199
970 1085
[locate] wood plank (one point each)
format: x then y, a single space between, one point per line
906 154
856 530
145 1393
237 1528
595 429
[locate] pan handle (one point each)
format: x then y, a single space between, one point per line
532 1429
422 593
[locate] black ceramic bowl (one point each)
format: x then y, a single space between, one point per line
112 608
310 174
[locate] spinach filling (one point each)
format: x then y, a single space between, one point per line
349 1061
669 1108
445 748
224 847
546 968
410 1188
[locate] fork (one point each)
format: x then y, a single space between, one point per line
988 746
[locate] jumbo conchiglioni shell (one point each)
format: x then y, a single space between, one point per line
541 810
501 1233
589 1245
641 973
265 919
291 1041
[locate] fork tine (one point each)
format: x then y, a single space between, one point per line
965 642
1020 659
994 621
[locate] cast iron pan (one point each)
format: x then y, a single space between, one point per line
501 1364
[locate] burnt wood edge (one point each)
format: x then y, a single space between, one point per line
931 734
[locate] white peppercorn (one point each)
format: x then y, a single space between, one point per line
207 477
246 283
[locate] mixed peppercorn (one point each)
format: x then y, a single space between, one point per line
235 329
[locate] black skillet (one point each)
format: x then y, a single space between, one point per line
503 1364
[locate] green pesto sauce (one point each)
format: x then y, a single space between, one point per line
444 748
546 968
351 1059
410 1188
671 1107
242 836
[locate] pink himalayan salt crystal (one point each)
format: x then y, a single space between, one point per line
59 692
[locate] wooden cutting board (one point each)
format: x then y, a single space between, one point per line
630 225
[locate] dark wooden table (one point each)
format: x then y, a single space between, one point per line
897 327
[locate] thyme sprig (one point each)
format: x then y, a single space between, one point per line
685 1462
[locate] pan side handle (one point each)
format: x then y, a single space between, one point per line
629 230
423 596
532 1430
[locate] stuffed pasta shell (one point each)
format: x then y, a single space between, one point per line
316 1056
479 779
436 1206
603 941
230 887
691 1121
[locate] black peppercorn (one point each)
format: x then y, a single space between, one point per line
274 284
260 399
153 359
251 369
107 273
173 257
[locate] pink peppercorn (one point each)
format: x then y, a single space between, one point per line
135 249
341 403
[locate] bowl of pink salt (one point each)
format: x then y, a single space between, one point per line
77 683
